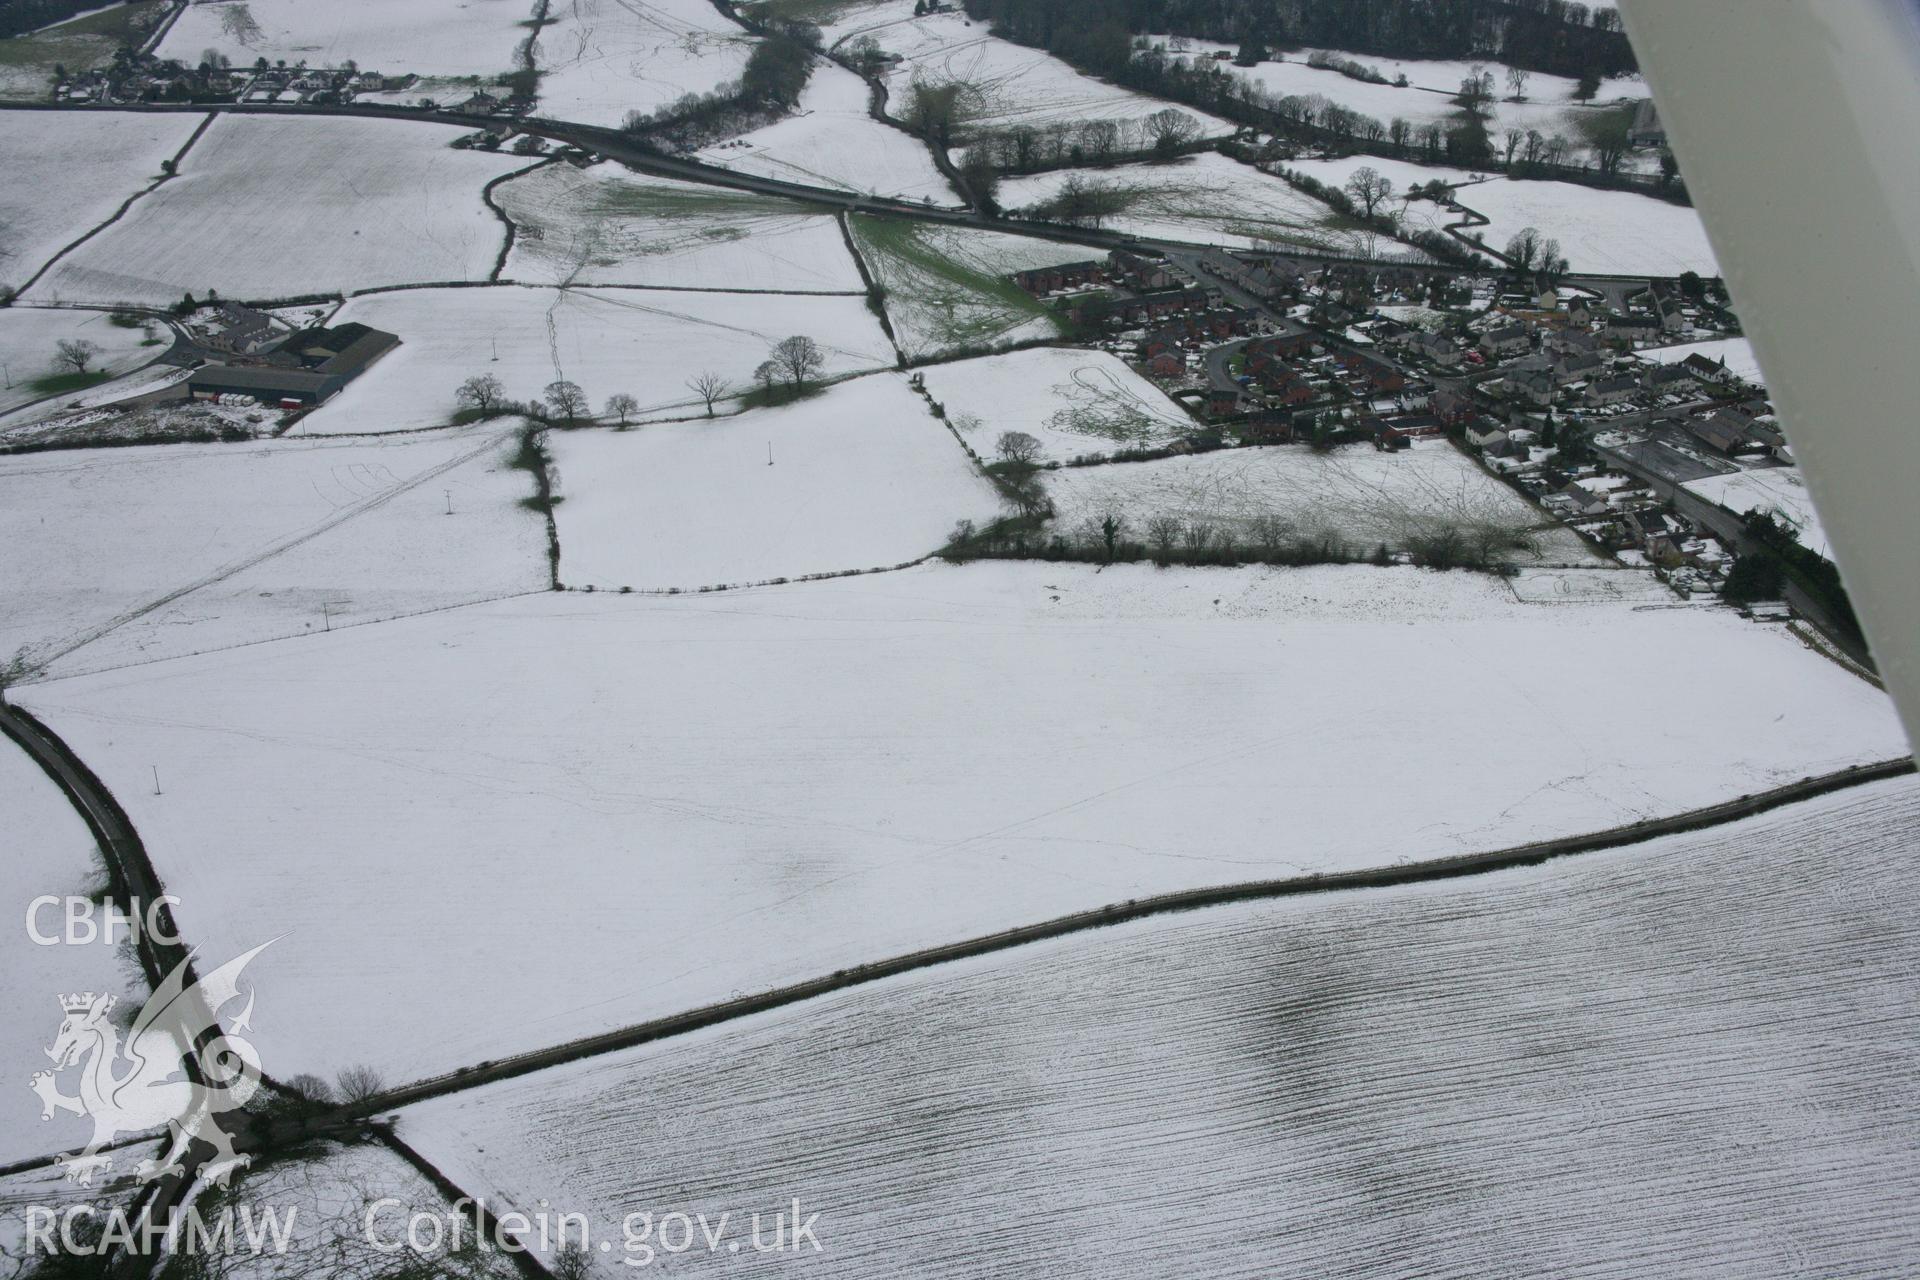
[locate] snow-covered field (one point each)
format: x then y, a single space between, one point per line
1688 1057
1735 353
1008 84
256 540
606 225
1209 199
280 208
832 141
860 476
1599 231
1428 96
29 349
48 851
1780 490
601 59
1075 403
612 341
1363 496
947 288
393 37
68 172
496 828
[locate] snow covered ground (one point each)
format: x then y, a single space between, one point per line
271 537
1599 231
1075 403
29 349
1209 199
1780 490
1735 353
280 208
1428 95
1358 493
948 288
497 828
1008 84
48 851
1687 1057
606 225
68 172
832 141
393 37
860 476
610 341
600 59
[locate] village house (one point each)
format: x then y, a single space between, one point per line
1440 349
1611 391
1506 340
1578 366
1708 371
1665 379
1483 433
1725 432
1450 407
1535 385
1073 275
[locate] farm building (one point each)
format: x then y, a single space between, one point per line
308 369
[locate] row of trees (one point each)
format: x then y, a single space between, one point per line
1031 148
769 86
793 362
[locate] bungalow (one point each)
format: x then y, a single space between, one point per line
480 104
1508 340
1412 426
1611 390
1579 501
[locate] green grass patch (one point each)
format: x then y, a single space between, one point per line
60 383
973 305
84 44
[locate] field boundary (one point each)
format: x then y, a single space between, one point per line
1448 868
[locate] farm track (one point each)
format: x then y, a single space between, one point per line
81 639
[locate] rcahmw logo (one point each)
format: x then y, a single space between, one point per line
132 1085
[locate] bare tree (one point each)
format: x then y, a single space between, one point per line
571 1262
1163 534
360 1084
799 359
482 393
767 374
709 386
1513 137
1368 186
1476 90
1017 448
1398 130
1517 83
1171 130
566 400
622 406
77 352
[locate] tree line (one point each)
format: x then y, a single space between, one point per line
1554 36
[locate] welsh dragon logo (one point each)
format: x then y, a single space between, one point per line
144 1083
